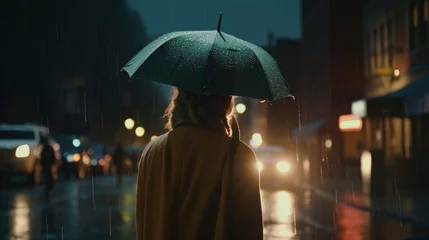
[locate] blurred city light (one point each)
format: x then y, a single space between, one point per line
240 108
378 135
328 143
283 166
140 131
365 169
396 72
306 166
56 147
76 142
69 158
359 108
101 162
350 123
76 157
256 140
86 159
260 166
22 151
108 158
94 162
153 137
129 123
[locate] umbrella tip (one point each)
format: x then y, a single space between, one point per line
220 22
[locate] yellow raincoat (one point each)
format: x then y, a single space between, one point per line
183 188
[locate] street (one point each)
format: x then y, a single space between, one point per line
97 208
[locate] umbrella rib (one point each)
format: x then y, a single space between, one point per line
131 68
206 82
265 73
261 54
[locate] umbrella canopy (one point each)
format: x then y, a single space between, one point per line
210 62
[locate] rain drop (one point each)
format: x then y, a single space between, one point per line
93 195
110 224
70 63
102 122
58 31
47 228
84 106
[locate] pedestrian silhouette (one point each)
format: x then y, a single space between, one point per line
47 159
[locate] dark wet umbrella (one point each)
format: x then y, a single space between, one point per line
210 62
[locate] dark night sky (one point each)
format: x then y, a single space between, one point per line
247 19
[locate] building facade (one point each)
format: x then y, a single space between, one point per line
396 104
332 76
396 71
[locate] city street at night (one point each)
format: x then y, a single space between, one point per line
245 119
97 208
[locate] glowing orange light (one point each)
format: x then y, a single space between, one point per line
101 162
350 123
76 157
108 158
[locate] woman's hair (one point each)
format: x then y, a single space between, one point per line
210 111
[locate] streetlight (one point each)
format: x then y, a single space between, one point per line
328 143
240 108
396 72
129 123
76 142
256 140
139 131
153 137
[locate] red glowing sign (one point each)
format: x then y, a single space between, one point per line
350 123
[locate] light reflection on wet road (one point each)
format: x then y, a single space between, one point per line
73 212
279 214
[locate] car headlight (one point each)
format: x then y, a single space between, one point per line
260 166
283 166
22 151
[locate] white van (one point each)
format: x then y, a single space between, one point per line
20 148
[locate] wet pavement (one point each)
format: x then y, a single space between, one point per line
97 208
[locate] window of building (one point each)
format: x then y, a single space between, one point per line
418 23
415 16
375 49
426 11
389 26
382 47
413 23
422 19
368 54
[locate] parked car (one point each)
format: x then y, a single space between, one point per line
20 150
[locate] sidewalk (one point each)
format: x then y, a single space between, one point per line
409 207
